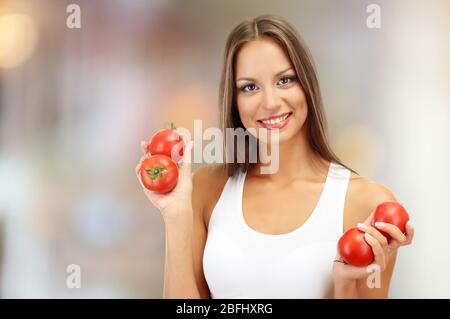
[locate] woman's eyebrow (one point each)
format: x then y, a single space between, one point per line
281 72
251 79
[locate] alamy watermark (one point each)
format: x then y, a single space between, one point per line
73 20
242 145
374 279
373 20
73 280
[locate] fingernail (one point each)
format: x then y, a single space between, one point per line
362 226
409 223
380 224
368 236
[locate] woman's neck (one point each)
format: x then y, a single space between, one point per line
296 160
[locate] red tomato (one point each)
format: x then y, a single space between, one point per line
159 174
165 142
354 249
392 213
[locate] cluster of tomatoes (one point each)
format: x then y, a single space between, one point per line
159 172
353 247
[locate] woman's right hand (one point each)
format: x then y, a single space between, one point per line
176 205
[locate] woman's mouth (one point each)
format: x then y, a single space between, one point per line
275 122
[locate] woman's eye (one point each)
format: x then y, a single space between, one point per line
286 79
248 88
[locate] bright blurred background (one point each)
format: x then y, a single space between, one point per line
75 103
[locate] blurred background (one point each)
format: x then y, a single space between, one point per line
75 103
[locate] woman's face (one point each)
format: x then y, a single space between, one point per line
269 95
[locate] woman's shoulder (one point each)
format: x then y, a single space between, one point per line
363 196
210 174
208 182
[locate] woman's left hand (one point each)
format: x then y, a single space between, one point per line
382 249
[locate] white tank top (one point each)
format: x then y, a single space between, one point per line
240 262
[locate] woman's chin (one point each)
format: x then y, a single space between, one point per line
273 137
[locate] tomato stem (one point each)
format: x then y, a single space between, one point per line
172 126
155 172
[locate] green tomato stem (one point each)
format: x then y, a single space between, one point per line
156 172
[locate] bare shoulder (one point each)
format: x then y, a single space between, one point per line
205 172
363 196
207 182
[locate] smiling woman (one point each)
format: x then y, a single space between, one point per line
272 66
269 89
234 231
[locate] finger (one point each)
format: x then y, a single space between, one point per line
178 149
140 180
185 169
349 270
392 230
185 134
378 251
338 258
394 244
143 157
369 218
409 233
144 145
374 233
138 166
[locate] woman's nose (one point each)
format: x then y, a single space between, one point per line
271 99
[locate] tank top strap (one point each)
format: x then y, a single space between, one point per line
333 201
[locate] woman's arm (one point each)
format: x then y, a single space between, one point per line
375 194
372 282
184 232
380 291
179 278
208 184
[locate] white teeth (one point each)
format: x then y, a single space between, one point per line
276 120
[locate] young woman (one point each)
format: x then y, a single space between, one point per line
233 232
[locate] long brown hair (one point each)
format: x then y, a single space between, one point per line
281 31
